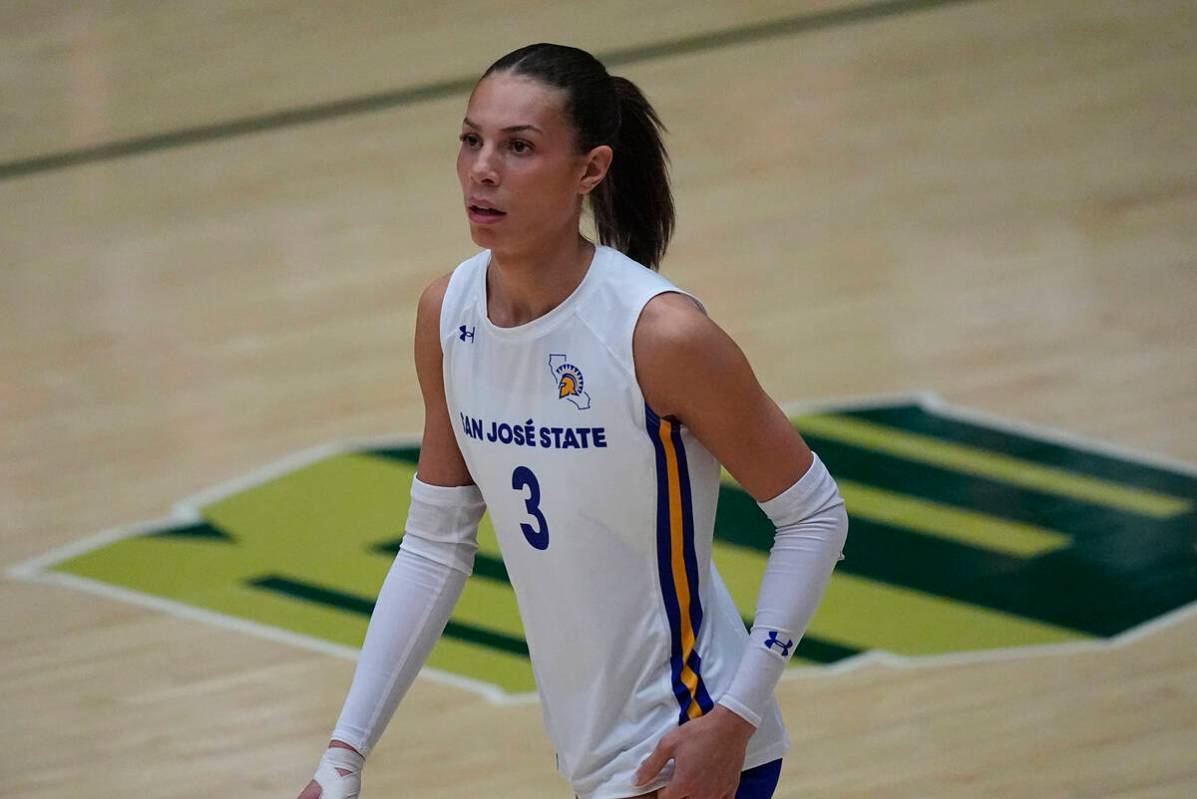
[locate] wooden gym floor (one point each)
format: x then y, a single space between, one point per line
215 219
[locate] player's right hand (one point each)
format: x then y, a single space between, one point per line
339 776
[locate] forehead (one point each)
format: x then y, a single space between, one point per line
502 100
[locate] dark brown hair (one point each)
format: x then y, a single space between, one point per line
633 206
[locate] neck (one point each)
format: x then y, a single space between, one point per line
525 284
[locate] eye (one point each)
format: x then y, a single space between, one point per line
468 138
520 146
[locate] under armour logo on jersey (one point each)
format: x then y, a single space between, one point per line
466 334
773 639
569 381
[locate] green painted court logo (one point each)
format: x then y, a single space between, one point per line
966 536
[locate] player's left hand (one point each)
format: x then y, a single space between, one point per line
707 754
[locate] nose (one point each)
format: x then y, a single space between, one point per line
483 168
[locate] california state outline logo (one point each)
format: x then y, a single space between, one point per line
570 383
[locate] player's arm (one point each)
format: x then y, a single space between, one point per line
425 579
691 370
441 462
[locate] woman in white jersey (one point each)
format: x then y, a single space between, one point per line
588 404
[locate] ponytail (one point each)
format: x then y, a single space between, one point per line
633 205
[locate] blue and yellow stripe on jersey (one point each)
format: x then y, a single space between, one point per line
677 565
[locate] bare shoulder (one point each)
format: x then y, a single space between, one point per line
678 349
673 326
429 307
441 462
668 321
428 325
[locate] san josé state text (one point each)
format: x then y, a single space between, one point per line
528 434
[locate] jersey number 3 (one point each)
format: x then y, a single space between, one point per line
537 536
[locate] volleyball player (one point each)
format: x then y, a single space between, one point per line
589 404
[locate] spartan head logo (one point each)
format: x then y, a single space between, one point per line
570 383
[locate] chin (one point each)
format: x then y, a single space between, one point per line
483 238
486 235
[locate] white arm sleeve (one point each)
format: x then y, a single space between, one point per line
812 526
413 607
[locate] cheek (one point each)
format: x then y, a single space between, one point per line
549 186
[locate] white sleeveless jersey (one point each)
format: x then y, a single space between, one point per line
604 513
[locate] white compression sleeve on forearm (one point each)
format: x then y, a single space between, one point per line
812 526
413 607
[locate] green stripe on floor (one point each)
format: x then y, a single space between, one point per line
982 463
944 521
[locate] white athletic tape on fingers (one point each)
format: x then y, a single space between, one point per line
334 785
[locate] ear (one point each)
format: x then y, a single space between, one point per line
598 161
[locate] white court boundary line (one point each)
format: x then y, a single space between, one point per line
188 511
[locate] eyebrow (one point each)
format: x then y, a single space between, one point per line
511 129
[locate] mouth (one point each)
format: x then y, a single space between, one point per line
484 214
